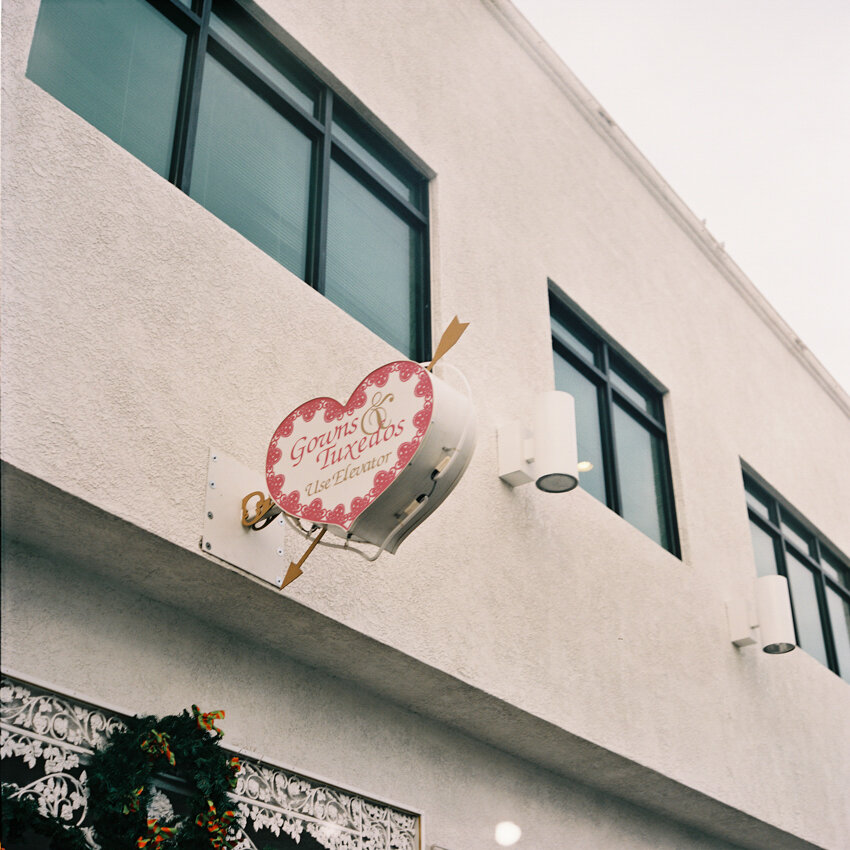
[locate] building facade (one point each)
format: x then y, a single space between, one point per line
213 212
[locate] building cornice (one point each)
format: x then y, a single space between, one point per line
545 57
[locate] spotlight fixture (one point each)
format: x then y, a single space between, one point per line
548 455
771 615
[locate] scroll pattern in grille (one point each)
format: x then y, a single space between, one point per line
46 740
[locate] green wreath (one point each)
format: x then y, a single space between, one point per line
22 821
183 747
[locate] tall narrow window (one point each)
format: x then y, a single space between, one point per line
818 576
211 101
620 426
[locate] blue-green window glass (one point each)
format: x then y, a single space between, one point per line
804 598
764 550
118 65
234 33
793 531
619 425
632 388
344 132
758 505
588 431
833 567
252 168
212 101
578 342
641 467
372 260
839 615
818 575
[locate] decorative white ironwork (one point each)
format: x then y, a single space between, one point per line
46 740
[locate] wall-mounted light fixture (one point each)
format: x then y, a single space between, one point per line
548 455
771 615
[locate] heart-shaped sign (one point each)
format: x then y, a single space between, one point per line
328 462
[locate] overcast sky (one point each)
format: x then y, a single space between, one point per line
743 106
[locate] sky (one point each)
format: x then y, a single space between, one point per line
743 107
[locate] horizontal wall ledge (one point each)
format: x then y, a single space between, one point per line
60 526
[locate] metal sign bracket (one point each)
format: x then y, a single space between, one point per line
236 540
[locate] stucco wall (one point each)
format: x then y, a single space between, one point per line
311 722
136 325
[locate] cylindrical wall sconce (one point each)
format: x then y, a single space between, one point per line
773 608
771 615
549 455
555 451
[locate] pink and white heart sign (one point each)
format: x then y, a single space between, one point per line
327 462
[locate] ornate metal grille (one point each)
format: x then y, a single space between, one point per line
46 740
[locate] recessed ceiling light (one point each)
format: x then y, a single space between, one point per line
507 833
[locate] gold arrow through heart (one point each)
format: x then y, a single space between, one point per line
295 569
450 336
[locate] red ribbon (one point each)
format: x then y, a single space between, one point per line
206 720
235 767
156 744
156 834
216 826
133 805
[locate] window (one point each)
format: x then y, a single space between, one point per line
818 576
213 103
620 426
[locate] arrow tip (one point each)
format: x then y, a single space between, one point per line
291 574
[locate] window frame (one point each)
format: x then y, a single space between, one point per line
610 358
779 512
193 18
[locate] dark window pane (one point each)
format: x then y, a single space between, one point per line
793 531
758 505
806 613
252 168
586 396
642 397
577 342
372 261
640 464
234 30
764 549
839 614
834 568
118 65
357 144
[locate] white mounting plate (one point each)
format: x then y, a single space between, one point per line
260 553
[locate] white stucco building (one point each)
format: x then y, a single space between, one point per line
213 215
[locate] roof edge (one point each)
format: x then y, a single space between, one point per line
543 54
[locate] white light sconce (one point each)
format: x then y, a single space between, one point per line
548 456
771 615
